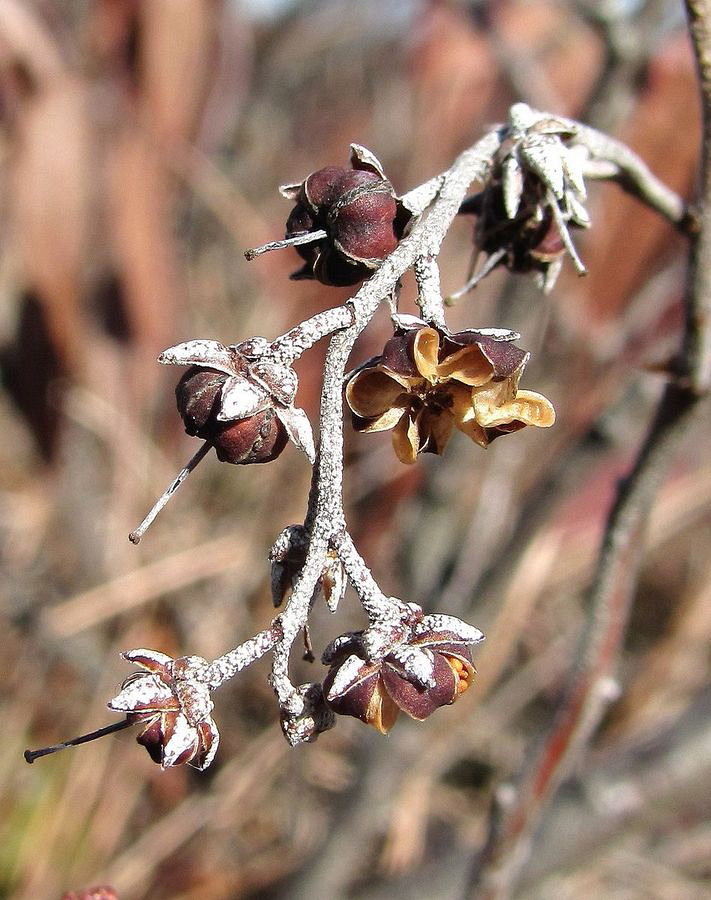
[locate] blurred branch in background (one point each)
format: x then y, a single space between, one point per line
140 149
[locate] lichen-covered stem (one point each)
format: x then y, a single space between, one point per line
227 666
633 174
376 604
290 345
325 517
429 292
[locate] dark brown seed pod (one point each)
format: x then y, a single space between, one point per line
257 439
196 394
345 223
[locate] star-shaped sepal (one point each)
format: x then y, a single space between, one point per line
425 664
171 700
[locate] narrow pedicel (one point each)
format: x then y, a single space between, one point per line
296 241
136 535
32 755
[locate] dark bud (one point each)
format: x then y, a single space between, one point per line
345 223
196 395
259 438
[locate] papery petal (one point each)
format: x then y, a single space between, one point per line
461 409
388 420
435 428
383 711
151 660
474 432
210 354
419 704
469 366
438 623
397 358
182 743
494 395
527 407
299 430
372 392
504 356
144 693
241 399
406 440
425 352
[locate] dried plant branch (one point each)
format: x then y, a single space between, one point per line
348 225
591 685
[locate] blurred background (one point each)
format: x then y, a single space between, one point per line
141 146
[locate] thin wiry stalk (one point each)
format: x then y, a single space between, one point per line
591 687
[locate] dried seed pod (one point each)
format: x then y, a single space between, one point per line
534 195
345 223
257 438
239 401
173 706
429 665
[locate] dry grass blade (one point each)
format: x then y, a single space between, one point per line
127 592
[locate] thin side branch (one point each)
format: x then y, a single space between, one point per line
591 686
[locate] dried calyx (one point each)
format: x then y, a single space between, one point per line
242 403
414 666
170 701
534 194
346 221
239 401
428 382
172 704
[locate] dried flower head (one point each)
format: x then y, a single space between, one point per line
414 668
534 193
345 223
173 705
239 401
427 382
